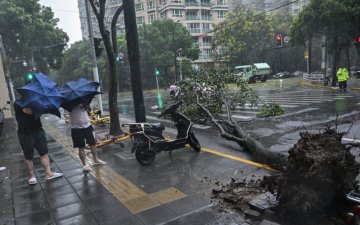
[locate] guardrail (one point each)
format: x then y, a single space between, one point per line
315 78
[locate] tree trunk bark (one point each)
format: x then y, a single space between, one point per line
113 106
260 153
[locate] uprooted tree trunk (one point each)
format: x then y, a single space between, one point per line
319 172
257 150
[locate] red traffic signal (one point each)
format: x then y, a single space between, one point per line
278 39
358 39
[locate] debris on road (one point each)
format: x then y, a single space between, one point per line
319 172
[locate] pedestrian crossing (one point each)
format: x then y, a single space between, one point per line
293 103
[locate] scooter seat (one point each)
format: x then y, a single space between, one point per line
157 126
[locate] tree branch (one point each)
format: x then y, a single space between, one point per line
217 124
113 28
92 4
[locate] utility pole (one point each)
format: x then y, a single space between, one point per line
134 56
8 76
323 59
92 50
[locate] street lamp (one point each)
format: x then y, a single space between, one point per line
179 52
175 50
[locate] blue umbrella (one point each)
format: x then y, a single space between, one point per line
41 95
78 92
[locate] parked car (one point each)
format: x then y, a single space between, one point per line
282 75
357 74
297 73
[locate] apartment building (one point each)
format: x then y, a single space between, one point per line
294 7
198 16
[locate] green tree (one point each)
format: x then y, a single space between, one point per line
338 20
241 33
30 30
161 42
77 63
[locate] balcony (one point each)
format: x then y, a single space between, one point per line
192 18
193 30
206 18
191 4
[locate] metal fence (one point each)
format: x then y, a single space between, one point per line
316 78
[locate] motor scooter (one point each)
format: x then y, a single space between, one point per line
353 217
149 141
2 116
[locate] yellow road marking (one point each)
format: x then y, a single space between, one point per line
237 159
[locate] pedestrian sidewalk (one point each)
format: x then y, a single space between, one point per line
88 199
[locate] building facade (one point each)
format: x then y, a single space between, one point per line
198 16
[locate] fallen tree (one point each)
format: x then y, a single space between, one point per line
316 174
212 95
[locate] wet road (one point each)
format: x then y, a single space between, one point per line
177 186
306 108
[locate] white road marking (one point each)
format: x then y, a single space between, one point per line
351 140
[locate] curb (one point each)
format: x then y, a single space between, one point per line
355 89
321 86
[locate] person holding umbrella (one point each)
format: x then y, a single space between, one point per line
77 98
31 135
81 131
40 96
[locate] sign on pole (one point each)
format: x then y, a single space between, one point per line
306 54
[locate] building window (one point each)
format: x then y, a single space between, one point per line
206 41
176 1
191 15
221 2
206 27
139 7
151 18
151 5
221 14
163 15
193 27
177 13
140 20
205 16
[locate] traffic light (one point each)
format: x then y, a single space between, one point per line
157 72
357 41
278 40
98 50
28 76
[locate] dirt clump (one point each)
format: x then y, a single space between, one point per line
319 172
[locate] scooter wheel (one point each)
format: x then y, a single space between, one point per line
144 155
193 142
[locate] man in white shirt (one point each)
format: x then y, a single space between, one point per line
81 131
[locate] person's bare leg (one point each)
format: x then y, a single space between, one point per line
94 153
29 168
45 162
82 156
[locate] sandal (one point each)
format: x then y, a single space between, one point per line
32 181
54 175
99 162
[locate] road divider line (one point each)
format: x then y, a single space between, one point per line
239 159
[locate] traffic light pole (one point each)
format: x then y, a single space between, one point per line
92 50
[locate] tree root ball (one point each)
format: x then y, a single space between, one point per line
319 172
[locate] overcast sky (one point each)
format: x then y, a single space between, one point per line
68 13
